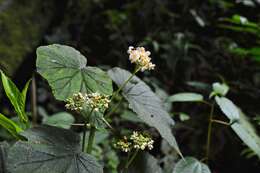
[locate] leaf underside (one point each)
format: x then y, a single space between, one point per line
145 104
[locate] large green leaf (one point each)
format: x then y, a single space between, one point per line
242 127
10 126
15 96
185 97
146 104
190 165
65 69
50 149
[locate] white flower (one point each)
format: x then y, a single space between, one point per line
124 145
141 58
76 102
95 101
141 142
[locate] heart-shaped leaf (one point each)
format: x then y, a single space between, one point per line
50 149
190 165
65 70
242 127
146 104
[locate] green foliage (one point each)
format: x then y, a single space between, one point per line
66 71
243 128
50 149
145 163
191 165
219 89
10 126
192 42
145 104
3 156
16 97
241 24
61 119
185 97
228 108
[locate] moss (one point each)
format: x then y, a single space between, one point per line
23 24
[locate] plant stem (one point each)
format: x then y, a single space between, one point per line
117 92
131 159
91 139
124 84
209 132
84 131
114 108
220 122
84 138
34 101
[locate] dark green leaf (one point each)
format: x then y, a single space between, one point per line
50 149
3 156
65 69
146 104
190 165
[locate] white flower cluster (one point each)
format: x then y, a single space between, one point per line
141 58
76 102
96 101
141 142
136 141
124 144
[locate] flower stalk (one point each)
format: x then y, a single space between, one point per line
91 139
209 132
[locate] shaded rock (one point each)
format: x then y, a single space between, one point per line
22 25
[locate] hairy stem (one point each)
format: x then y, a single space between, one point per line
128 163
124 84
117 92
84 138
85 131
209 132
91 139
114 108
